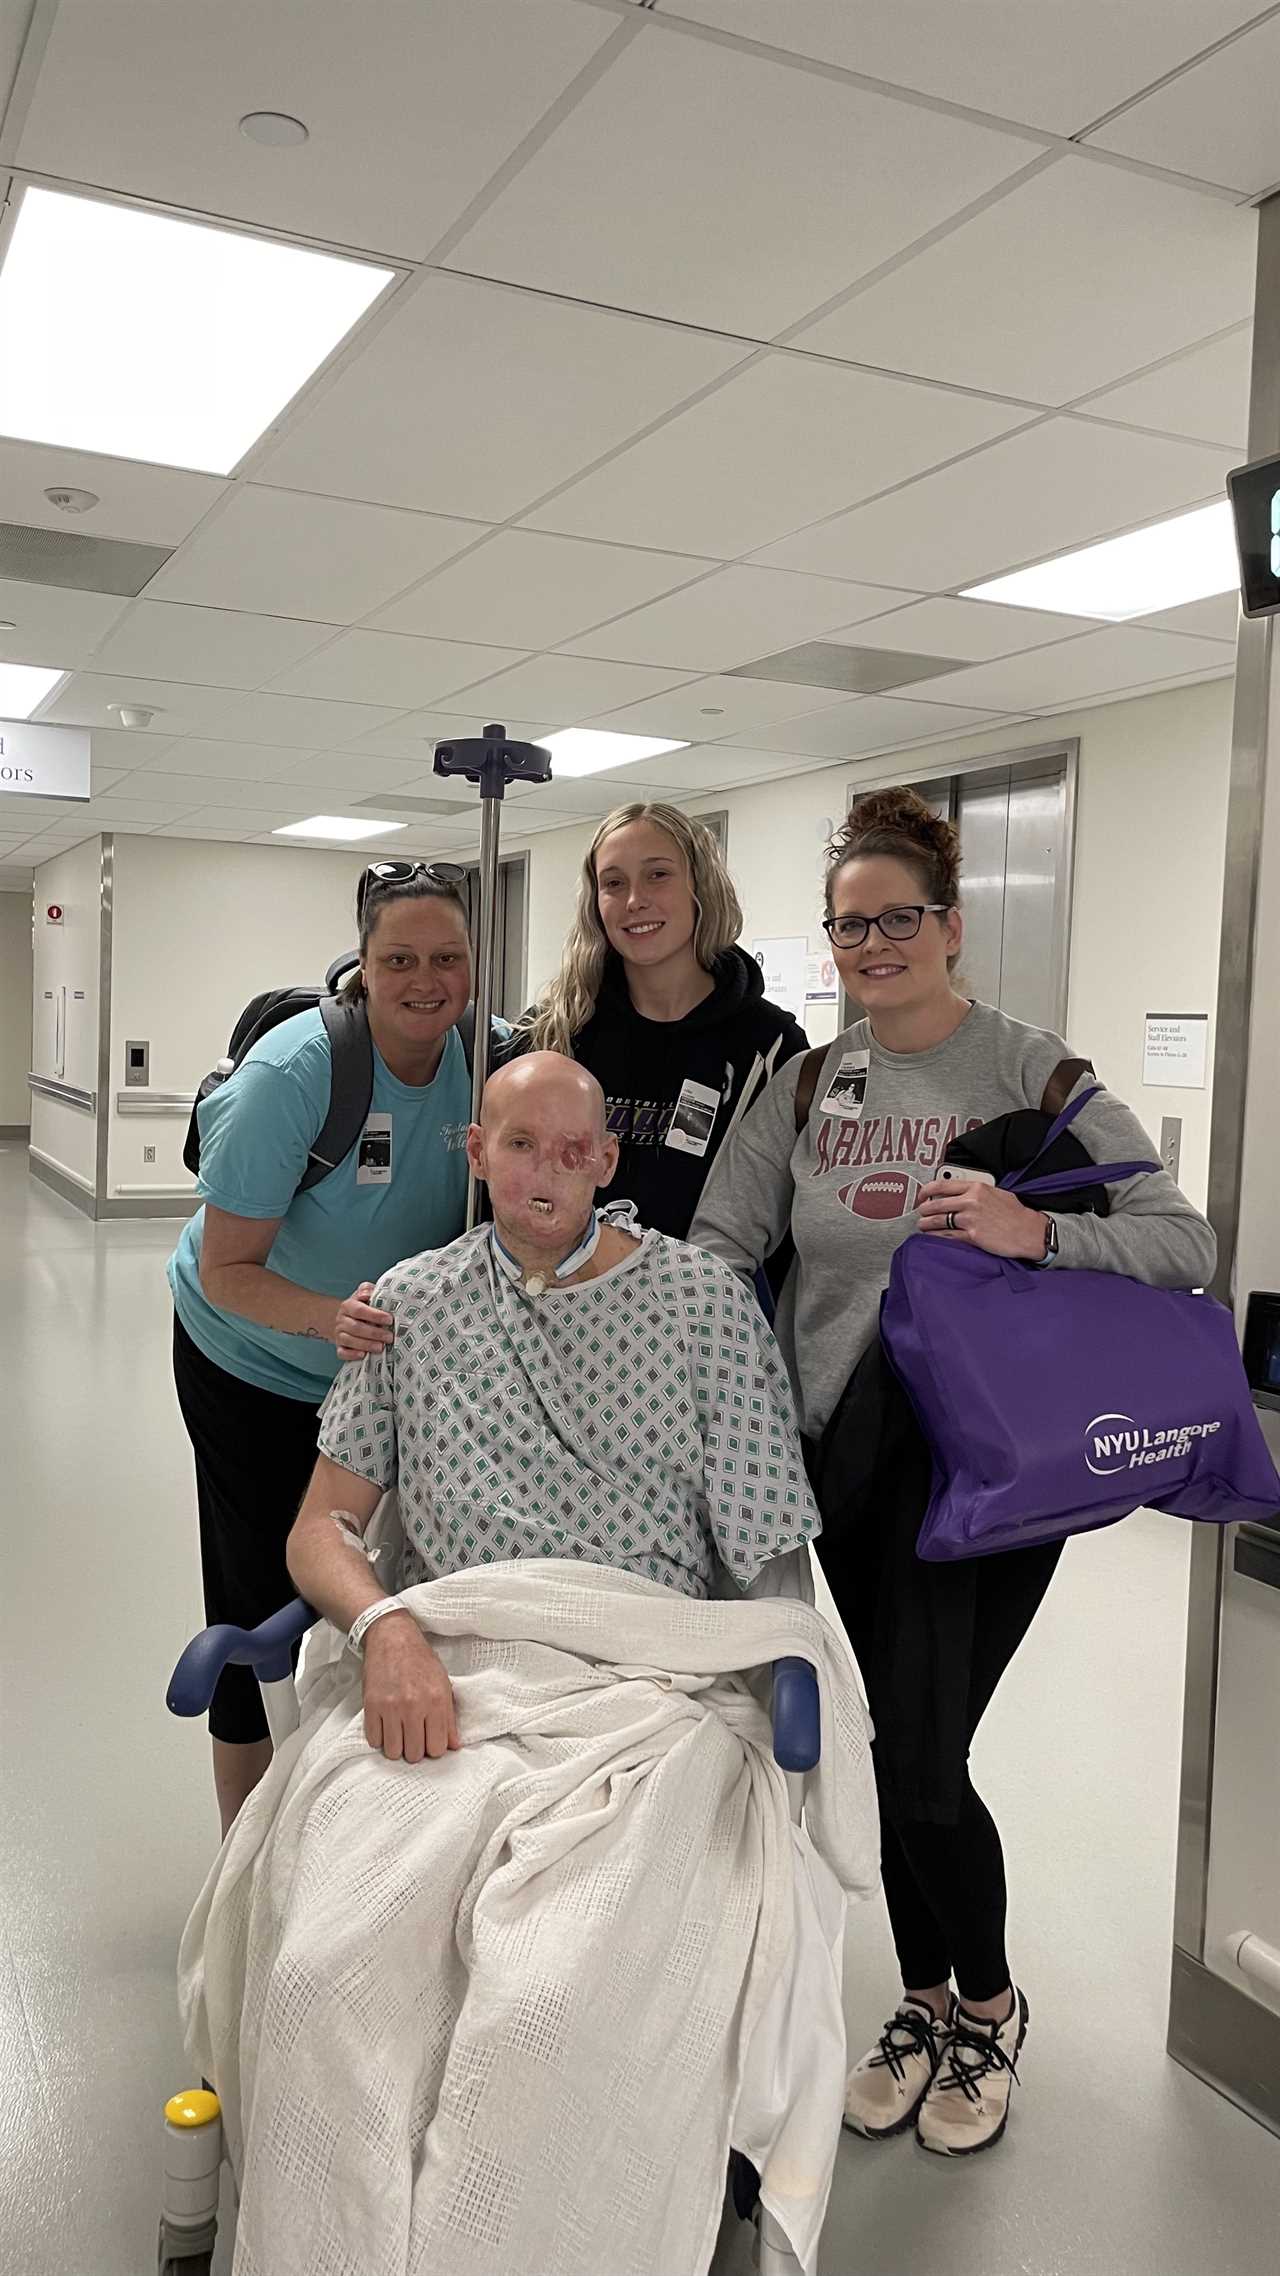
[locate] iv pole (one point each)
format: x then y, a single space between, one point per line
492 762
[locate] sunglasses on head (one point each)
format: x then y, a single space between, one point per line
380 873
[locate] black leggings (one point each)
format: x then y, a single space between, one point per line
944 1884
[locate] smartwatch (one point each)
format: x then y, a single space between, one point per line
1050 1242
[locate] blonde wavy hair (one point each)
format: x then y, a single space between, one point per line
562 1011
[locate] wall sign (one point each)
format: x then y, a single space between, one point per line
53 914
1175 1052
43 762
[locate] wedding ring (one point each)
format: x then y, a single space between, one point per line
951 1221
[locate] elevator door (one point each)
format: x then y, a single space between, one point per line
1015 841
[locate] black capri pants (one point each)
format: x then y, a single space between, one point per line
255 1452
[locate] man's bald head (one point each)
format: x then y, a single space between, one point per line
551 1084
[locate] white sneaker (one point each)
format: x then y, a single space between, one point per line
884 2091
966 2108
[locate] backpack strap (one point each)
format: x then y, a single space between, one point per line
1062 1082
810 1069
346 1023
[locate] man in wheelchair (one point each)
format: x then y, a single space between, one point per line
516 1937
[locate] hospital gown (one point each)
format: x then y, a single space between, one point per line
641 1420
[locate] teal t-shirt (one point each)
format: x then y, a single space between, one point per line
255 1134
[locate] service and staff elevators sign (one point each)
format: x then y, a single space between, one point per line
43 762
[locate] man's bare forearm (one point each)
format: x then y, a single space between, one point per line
328 1570
253 1292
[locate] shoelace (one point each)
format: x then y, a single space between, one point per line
970 2059
907 2033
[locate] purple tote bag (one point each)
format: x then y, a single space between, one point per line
1054 1402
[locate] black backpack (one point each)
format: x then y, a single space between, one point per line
346 1023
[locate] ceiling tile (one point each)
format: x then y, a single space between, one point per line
281 553
410 109
1054 67
169 640
179 709
1056 485
706 709
535 591
126 747
782 442
851 178
1220 121
1123 656
730 618
344 770
391 668
184 791
416 734
711 766
870 723
1215 619
194 755
303 722
1204 394
53 625
432 415
971 630
149 505
232 822
1074 278
104 778
119 810
570 688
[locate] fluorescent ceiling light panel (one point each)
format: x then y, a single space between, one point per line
587 750
140 336
338 826
23 686
1186 559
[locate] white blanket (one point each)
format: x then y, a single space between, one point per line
491 2014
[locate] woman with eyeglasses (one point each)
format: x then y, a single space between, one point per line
261 1275
657 999
853 1169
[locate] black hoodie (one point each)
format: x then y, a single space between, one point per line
730 1043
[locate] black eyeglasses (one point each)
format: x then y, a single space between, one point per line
448 873
892 924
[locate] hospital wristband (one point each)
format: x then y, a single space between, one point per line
364 1621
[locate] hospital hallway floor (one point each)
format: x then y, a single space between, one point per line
1117 2163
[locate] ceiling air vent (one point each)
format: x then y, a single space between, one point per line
389 803
850 671
86 564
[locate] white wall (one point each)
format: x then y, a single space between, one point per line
198 929
66 956
15 1008
1150 835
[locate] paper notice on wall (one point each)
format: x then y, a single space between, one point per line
784 963
1175 1051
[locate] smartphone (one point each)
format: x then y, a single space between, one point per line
954 1173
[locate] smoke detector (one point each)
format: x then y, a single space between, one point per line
73 501
131 714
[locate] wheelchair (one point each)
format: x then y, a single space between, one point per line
192 2129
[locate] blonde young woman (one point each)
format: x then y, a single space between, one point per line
656 998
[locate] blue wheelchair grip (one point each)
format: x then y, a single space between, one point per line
797 1719
268 1650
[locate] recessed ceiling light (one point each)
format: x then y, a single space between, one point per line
207 332
274 128
1188 558
339 826
587 750
23 686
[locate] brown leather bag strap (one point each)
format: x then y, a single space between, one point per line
810 1069
1061 1083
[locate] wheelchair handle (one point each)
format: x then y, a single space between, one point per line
268 1650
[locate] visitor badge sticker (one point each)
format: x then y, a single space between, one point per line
373 1154
689 1130
848 1087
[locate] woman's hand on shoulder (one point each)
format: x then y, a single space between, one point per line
985 1216
359 1329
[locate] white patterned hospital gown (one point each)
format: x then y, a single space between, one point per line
642 1420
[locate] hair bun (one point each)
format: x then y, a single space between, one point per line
897 823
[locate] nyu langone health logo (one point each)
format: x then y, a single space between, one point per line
1116 1442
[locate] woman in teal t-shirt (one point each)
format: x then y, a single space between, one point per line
261 1275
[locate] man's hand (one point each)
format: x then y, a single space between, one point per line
408 1699
359 1329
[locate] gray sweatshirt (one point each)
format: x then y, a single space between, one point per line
847 1187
